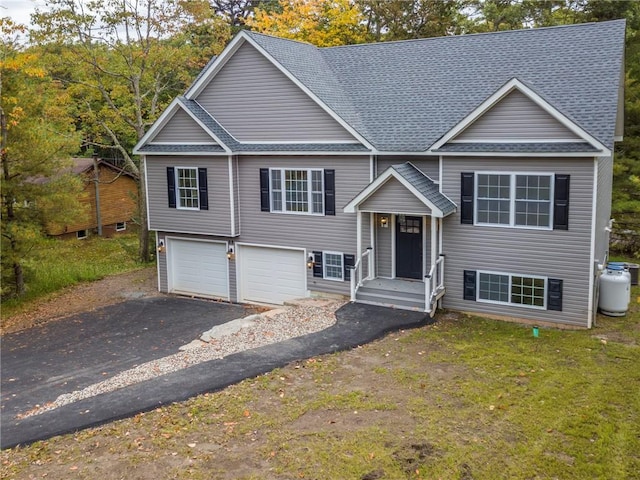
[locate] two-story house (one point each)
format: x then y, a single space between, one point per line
470 172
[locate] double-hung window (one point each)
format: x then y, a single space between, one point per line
514 289
297 191
333 266
187 188
515 200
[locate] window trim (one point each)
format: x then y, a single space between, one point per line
324 266
512 199
510 303
121 226
310 191
82 234
178 188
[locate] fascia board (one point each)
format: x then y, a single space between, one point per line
381 180
179 154
520 154
503 91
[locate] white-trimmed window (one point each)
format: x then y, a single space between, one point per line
121 226
81 234
333 265
187 188
514 199
529 291
297 191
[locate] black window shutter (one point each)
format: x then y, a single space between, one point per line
561 203
466 197
203 193
171 186
318 271
554 294
264 190
329 192
348 261
470 285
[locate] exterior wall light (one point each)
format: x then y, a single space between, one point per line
310 262
384 222
161 247
230 252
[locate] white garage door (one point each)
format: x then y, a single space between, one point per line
198 268
271 275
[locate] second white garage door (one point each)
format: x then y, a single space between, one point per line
271 275
198 268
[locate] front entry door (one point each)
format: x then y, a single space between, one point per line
408 247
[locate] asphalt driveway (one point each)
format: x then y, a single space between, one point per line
44 362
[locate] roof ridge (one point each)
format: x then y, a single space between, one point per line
477 34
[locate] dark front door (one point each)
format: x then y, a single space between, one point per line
408 247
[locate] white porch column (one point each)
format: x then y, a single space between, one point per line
434 241
359 233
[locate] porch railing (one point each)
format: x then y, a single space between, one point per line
434 285
356 271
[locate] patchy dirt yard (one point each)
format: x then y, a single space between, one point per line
466 398
84 297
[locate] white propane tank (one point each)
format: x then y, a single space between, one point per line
615 291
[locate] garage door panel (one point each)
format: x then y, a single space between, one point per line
271 275
198 268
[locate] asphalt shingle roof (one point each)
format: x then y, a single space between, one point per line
427 187
404 96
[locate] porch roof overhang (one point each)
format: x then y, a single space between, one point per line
416 182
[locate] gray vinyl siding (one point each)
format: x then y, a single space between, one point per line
383 248
563 254
255 101
311 232
516 117
603 207
430 166
182 128
215 221
163 282
394 197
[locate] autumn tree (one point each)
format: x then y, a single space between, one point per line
37 139
237 12
407 19
324 23
123 62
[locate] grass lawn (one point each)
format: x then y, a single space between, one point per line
466 398
56 264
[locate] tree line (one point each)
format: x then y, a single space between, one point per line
90 78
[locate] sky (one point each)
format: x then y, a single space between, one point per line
19 10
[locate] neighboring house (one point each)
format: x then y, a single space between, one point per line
474 168
109 199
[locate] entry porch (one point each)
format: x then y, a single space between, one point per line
400 217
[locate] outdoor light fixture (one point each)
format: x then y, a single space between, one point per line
230 253
310 262
384 222
161 248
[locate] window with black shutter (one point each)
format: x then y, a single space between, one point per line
470 285
561 203
466 197
554 294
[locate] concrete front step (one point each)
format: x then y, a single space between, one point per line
405 300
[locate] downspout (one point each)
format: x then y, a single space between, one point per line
96 181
